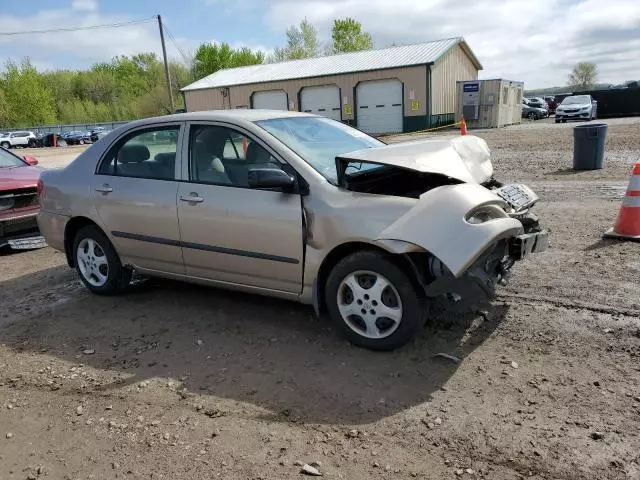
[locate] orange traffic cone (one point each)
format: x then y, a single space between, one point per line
463 127
628 224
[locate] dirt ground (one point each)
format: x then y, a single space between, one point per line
181 382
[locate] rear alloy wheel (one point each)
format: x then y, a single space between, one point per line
97 262
5 145
373 301
531 116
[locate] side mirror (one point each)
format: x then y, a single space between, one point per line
30 160
270 178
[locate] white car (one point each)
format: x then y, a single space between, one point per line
576 107
17 139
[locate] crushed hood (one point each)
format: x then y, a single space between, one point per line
466 158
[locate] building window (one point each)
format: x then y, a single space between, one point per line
505 95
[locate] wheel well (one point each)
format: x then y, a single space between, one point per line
71 229
346 249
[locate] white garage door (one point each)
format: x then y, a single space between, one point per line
270 100
323 101
379 105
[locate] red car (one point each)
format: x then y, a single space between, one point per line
19 203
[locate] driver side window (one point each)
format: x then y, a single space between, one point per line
222 156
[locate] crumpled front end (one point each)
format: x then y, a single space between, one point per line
471 234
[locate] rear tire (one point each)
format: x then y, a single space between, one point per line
97 262
5 145
361 289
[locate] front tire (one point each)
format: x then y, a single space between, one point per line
373 301
97 262
5 145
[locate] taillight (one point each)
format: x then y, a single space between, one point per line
40 187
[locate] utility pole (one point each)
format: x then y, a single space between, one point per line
166 64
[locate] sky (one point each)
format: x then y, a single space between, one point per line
532 41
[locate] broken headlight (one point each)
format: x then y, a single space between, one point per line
484 214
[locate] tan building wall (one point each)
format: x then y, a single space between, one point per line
413 78
453 66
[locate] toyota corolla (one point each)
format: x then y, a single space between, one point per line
294 206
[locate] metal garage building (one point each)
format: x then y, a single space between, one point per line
390 90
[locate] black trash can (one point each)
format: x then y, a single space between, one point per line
588 146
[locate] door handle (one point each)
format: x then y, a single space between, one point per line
105 188
192 198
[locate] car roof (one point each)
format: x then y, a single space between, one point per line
239 114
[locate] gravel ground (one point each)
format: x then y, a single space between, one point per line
180 382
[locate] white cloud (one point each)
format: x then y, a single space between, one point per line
77 48
535 42
89 5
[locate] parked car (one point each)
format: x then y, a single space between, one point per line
551 104
576 107
533 113
19 202
77 138
17 139
98 134
538 102
295 206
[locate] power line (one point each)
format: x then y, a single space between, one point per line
75 29
184 56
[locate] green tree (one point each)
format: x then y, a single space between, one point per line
584 75
347 36
124 88
4 110
29 101
211 57
302 42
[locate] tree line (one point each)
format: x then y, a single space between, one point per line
124 88
130 87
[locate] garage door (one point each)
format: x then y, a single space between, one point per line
270 99
379 106
323 101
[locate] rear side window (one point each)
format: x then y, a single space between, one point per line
149 153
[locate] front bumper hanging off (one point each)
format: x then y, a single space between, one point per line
527 243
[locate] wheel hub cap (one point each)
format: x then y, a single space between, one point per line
92 262
369 304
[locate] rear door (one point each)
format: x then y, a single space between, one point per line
19 138
230 232
134 191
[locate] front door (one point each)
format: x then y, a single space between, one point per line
230 232
134 192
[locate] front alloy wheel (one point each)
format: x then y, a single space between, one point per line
373 300
369 304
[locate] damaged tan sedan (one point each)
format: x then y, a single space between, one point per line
293 206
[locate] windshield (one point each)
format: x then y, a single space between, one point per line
8 160
577 100
319 141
